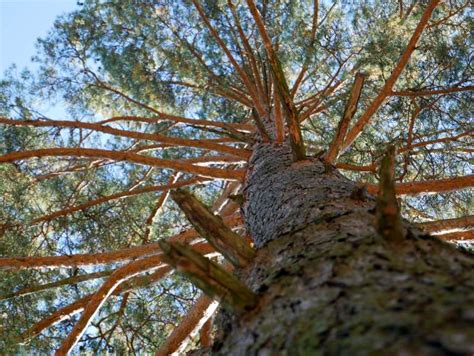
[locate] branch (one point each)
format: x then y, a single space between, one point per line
179 119
291 113
457 236
462 224
429 186
425 92
389 223
387 88
212 279
175 141
213 229
349 112
156 208
249 51
248 83
226 174
119 276
77 260
205 334
116 196
61 282
78 306
197 316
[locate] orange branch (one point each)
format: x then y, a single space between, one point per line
457 236
175 141
78 306
437 227
291 113
99 298
443 91
226 174
127 254
197 316
429 186
251 88
116 196
387 88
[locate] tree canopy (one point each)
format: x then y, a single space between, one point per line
165 94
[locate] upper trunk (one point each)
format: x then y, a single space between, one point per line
329 283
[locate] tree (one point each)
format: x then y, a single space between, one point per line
317 159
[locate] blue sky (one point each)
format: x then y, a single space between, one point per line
22 22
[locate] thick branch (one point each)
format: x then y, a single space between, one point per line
98 258
457 236
387 88
427 92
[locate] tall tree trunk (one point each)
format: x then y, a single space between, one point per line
330 284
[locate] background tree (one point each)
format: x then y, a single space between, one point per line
277 115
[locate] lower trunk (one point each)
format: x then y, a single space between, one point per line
328 281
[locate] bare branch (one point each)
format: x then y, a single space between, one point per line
175 141
427 92
119 276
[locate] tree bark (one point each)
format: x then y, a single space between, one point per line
329 283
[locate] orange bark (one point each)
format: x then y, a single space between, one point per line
432 92
457 236
349 111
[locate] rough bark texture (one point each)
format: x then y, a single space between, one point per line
330 284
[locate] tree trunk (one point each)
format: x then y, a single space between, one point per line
330 284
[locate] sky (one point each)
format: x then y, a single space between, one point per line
22 22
